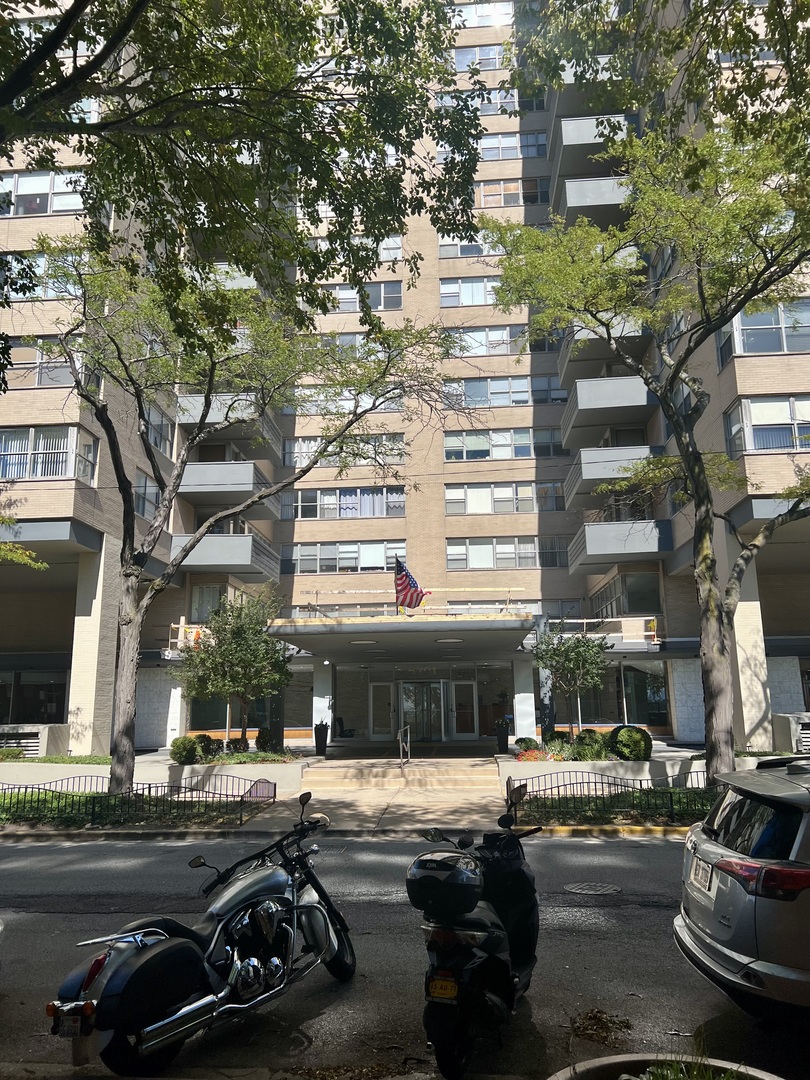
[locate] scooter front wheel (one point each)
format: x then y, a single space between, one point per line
453 1054
121 1057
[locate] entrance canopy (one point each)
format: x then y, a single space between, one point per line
410 638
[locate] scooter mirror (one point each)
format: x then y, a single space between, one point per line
198 860
518 794
506 821
304 798
435 836
466 840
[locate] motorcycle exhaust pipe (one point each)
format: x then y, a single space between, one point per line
192 1018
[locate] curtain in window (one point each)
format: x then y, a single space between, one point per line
50 452
348 505
13 453
372 502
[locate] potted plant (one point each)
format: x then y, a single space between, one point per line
660 1067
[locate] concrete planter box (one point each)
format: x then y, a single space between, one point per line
611 1068
656 770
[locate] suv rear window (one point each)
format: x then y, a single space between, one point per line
754 827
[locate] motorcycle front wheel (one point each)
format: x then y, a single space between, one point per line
343 964
121 1056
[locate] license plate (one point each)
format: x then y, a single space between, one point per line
442 990
701 874
70 1027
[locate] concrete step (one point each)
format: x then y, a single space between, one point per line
322 776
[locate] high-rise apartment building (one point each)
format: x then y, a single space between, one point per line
493 511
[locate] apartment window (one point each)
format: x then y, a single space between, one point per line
159 429
344 557
47 452
781 329
628 594
490 340
545 344
535 103
558 610
311 401
500 147
388 448
451 248
390 249
497 14
498 101
769 423
330 503
467 292
507 552
479 57
382 296
521 497
488 445
205 599
487 393
548 443
533 144
48 370
147 495
528 191
546 390
31 193
43 289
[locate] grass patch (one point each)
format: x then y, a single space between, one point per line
75 759
71 810
258 758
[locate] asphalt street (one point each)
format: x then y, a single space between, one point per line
611 951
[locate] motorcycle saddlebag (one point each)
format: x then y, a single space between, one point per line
150 984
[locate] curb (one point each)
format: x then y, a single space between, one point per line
13 836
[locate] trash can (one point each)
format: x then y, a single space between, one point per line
321 731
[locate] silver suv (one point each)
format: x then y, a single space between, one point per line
744 921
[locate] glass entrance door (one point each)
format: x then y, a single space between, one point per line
464 713
382 714
422 709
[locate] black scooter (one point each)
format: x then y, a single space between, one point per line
480 924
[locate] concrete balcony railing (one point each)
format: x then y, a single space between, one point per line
576 141
636 633
602 544
247 556
583 353
599 465
597 198
254 436
594 405
226 483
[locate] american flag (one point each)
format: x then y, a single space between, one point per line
408 592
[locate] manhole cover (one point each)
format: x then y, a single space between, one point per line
592 888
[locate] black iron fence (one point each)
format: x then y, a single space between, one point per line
84 800
581 796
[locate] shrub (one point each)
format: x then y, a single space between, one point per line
237 746
265 741
589 745
560 748
184 750
526 742
630 743
539 755
207 747
11 753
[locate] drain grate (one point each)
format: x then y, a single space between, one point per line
592 888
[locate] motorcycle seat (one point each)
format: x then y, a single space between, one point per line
482 917
202 934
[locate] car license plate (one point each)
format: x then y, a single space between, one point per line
442 990
70 1027
701 874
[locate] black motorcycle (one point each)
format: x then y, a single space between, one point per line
158 981
480 925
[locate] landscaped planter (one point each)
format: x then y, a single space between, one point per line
611 1068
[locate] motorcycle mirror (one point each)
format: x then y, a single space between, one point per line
435 836
304 797
466 840
198 860
518 795
506 821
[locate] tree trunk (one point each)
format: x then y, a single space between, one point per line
130 623
244 708
715 671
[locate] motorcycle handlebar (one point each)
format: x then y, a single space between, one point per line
300 830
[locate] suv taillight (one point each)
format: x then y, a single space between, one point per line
773 881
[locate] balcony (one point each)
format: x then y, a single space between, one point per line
597 199
247 556
584 353
575 141
598 466
226 483
594 405
571 99
600 545
257 438
627 633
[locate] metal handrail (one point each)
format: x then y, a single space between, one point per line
404 738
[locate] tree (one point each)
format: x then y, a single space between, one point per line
234 130
243 362
574 662
732 219
234 656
